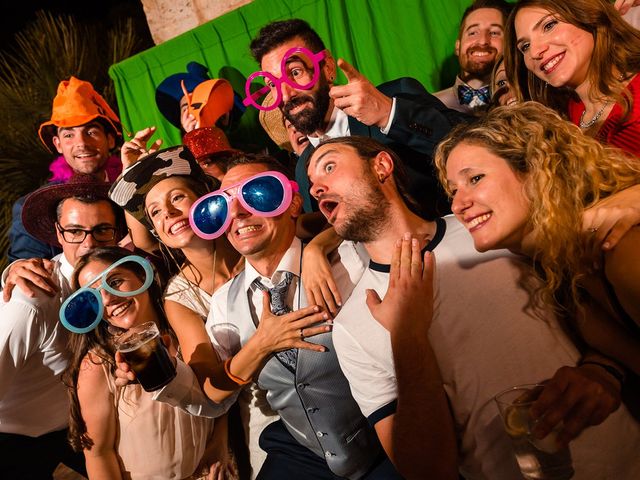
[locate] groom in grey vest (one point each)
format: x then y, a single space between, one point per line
321 432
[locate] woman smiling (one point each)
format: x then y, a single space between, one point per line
521 179
118 428
580 58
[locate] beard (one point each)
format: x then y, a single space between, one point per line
311 118
368 213
479 69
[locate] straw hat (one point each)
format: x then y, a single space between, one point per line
39 211
272 122
75 104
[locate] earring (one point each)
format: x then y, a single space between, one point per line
381 178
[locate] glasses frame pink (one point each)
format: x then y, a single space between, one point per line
251 98
289 187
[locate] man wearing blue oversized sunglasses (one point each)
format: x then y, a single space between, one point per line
289 354
34 408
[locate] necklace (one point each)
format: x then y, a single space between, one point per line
595 118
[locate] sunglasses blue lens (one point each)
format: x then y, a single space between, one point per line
210 214
82 311
264 194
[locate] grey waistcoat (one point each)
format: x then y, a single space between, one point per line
316 406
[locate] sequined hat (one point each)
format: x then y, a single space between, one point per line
207 141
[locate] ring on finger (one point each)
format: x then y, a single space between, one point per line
301 335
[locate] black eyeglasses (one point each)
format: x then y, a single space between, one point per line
77 235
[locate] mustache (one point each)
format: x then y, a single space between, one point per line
297 101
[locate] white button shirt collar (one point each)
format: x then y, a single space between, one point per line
338 127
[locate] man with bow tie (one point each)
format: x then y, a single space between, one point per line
478 45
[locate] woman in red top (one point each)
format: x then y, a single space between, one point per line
581 58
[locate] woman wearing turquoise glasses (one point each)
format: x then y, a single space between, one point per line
123 432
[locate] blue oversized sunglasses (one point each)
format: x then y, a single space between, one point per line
82 311
267 194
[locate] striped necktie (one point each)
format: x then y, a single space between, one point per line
278 304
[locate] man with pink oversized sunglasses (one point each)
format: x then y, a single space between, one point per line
300 72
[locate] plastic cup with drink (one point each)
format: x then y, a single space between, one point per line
143 350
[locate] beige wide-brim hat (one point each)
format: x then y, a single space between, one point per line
272 122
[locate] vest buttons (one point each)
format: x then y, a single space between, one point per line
320 434
302 386
312 410
329 454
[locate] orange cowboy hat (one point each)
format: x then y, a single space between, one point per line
75 104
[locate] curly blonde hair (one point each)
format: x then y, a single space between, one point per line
564 172
615 57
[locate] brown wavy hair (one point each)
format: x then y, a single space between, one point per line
615 58
99 342
564 172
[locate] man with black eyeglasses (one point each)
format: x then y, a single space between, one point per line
34 410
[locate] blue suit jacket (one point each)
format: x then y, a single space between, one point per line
21 243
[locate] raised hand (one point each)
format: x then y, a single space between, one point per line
360 99
623 6
124 375
136 148
408 303
317 278
610 219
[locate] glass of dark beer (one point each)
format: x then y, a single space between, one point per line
145 353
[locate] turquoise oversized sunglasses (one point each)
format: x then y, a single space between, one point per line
82 311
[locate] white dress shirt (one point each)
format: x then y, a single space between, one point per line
33 354
339 125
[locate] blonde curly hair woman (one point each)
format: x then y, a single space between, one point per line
521 179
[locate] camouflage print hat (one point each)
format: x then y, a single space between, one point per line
131 188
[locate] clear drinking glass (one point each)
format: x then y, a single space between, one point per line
538 459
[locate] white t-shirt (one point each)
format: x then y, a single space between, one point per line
486 339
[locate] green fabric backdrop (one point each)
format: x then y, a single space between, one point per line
384 39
